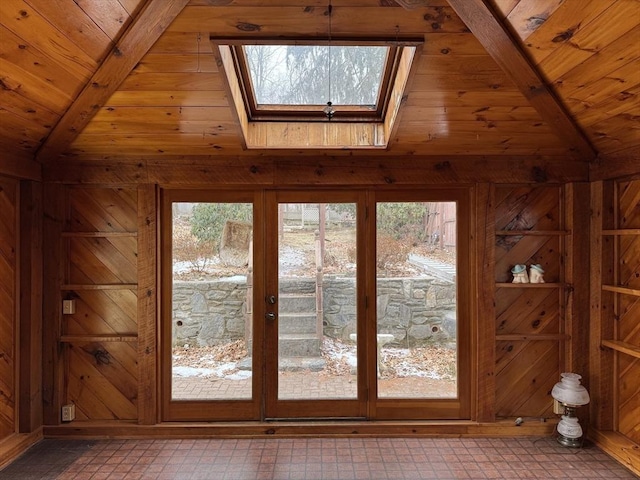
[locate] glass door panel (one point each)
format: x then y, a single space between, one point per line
317 308
211 328
416 286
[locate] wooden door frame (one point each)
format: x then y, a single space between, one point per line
209 410
367 405
323 408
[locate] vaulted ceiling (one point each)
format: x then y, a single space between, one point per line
131 78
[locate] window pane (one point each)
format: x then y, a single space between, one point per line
211 301
316 74
416 299
317 313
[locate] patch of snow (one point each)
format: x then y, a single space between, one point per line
192 372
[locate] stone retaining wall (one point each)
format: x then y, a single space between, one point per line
417 311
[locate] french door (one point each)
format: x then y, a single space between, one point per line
280 304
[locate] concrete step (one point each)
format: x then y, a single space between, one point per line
297 303
297 323
298 345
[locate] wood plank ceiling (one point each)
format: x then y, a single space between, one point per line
504 77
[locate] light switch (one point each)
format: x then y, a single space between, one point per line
68 307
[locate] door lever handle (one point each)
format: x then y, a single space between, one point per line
270 316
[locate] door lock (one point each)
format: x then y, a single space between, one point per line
271 299
270 316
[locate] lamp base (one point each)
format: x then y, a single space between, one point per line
569 442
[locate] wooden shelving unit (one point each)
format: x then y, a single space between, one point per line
530 331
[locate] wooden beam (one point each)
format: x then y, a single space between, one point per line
336 170
152 21
20 166
504 49
616 165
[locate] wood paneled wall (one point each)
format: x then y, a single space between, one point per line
8 305
615 317
104 356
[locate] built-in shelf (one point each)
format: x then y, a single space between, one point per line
533 336
99 234
109 286
625 290
529 285
532 232
124 337
622 347
622 231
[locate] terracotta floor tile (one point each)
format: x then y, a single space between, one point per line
312 459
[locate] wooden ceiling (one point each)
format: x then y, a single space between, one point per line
131 78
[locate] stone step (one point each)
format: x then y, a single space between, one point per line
297 323
297 303
298 345
295 364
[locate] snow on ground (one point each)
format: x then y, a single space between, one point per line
221 361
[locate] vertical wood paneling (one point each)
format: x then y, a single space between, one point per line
53 268
147 311
485 261
30 306
8 289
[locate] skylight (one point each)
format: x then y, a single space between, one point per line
316 94
309 75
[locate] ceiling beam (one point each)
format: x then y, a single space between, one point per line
505 50
152 21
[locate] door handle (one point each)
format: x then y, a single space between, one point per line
270 316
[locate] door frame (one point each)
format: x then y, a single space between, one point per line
314 408
263 405
209 410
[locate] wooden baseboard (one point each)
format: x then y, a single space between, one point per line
14 445
619 447
282 429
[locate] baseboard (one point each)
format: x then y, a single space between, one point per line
15 444
285 429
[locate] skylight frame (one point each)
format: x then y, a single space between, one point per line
314 113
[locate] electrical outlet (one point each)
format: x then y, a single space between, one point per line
558 408
68 412
68 307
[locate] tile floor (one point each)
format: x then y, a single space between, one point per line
313 459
